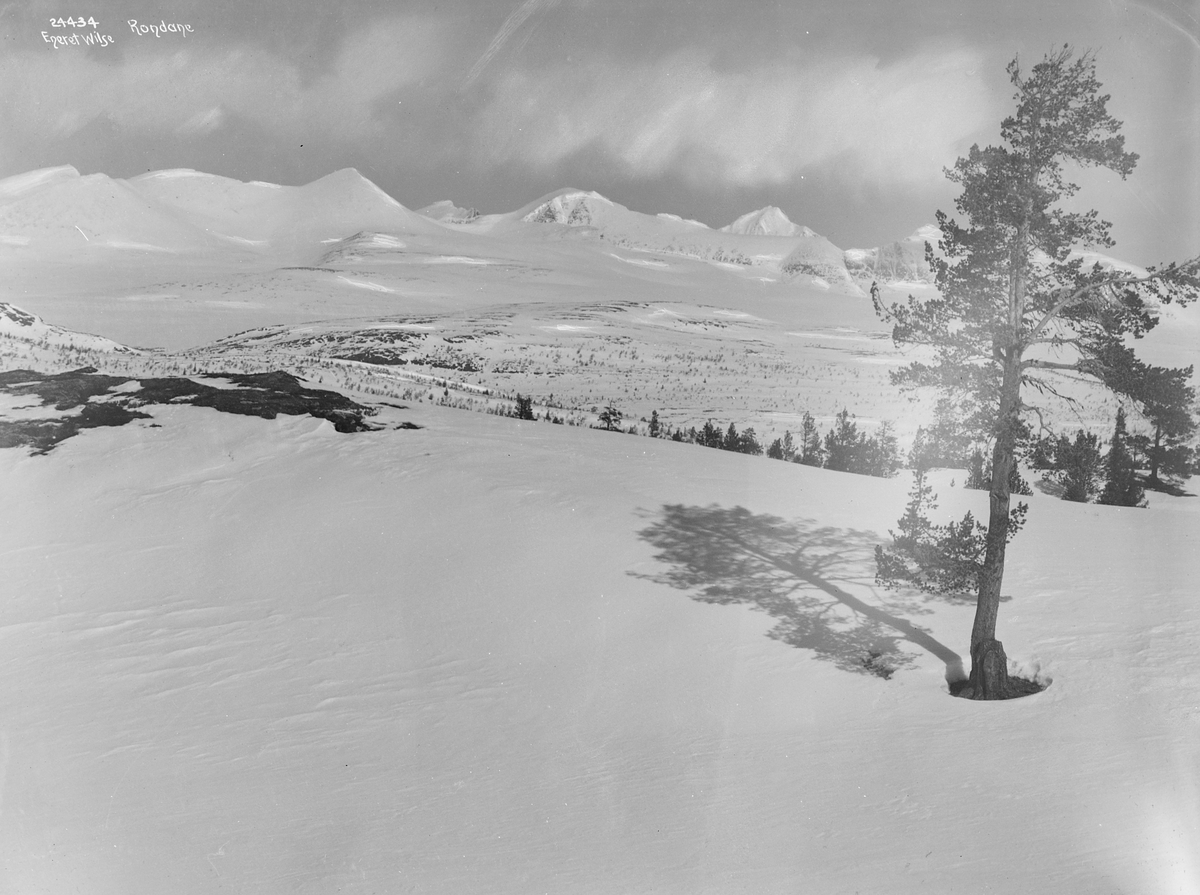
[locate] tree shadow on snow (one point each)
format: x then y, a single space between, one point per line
791 571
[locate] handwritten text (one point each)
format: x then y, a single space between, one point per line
160 29
90 39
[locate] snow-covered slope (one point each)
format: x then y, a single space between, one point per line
20 184
818 258
191 213
505 657
63 213
17 325
334 207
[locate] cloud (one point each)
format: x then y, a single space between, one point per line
193 89
763 124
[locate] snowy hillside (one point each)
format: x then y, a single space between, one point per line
490 656
22 330
186 211
61 212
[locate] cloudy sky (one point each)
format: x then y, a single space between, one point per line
842 113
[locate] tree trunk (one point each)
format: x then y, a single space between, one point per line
989 664
1155 455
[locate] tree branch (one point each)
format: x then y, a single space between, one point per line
1048 365
1123 280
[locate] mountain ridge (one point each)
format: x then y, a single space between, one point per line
182 211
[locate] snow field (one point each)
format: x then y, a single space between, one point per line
261 656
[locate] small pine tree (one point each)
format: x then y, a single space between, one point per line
789 447
978 479
943 559
655 426
1167 400
1121 485
848 450
732 440
524 408
979 475
748 442
610 418
775 451
920 457
811 453
842 443
945 443
881 453
1078 465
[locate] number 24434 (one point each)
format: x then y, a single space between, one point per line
74 23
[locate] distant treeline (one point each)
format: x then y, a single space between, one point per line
844 448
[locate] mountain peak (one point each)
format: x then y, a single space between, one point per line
569 206
769 221
19 184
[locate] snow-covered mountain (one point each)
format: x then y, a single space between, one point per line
332 207
895 263
187 213
18 324
793 251
769 221
59 210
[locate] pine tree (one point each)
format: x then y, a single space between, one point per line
881 453
655 426
1078 464
1121 485
943 559
944 443
710 436
748 442
610 418
524 408
1012 302
843 443
811 452
789 447
1167 400
978 477
732 441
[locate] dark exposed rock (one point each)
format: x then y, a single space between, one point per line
263 395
